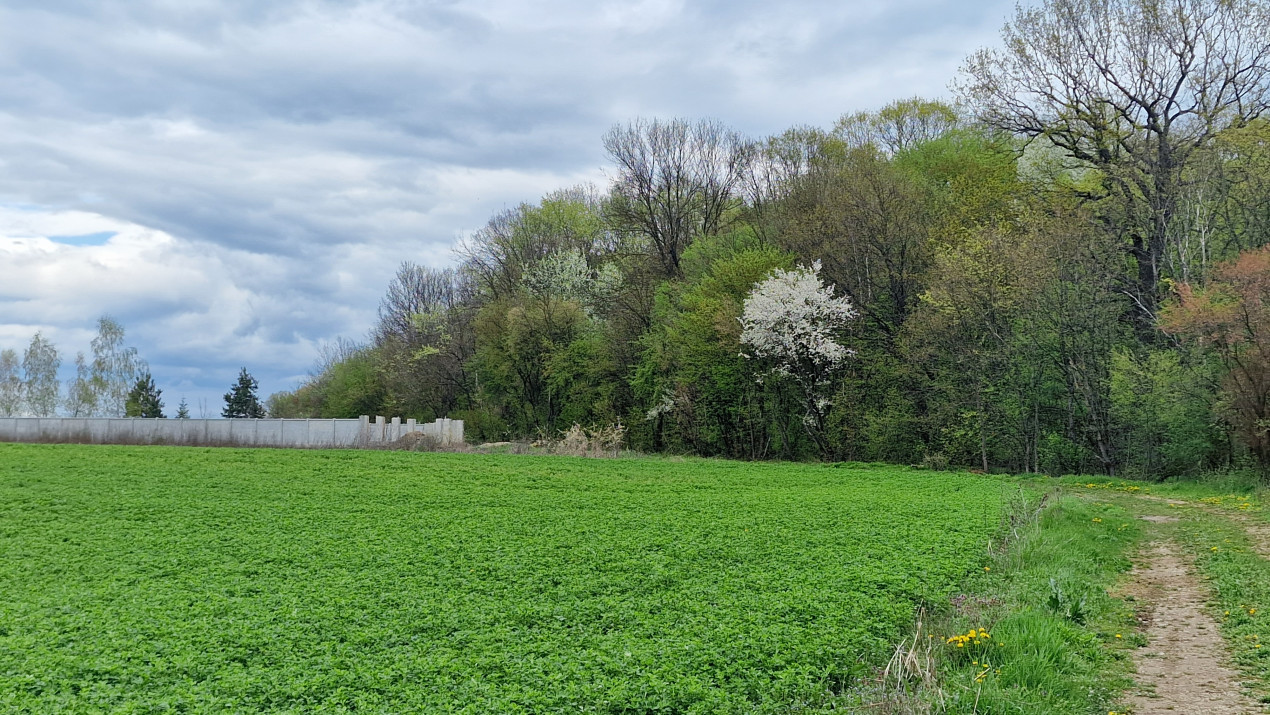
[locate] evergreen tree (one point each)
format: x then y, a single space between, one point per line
241 400
183 410
143 400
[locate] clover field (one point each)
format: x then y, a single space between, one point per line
154 579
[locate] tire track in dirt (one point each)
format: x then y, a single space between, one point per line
1182 669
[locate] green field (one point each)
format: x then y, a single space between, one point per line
157 579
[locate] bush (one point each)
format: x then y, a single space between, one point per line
576 441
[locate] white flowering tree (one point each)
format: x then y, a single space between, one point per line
791 320
565 274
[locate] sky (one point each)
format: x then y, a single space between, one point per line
237 181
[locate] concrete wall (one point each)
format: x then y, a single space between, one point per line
242 432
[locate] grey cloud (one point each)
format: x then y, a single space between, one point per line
295 152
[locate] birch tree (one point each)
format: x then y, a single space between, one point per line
40 385
10 384
114 369
81 397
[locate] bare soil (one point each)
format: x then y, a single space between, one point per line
1182 669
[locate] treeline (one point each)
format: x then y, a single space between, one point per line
1064 272
111 382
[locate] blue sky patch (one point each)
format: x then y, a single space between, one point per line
85 239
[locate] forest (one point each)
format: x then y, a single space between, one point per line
1061 269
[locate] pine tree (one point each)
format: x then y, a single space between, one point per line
241 400
183 409
143 400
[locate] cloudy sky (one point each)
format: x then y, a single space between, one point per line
236 181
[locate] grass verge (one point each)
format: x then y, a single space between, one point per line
1224 485
1239 579
1037 630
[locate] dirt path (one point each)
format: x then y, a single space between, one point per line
1181 669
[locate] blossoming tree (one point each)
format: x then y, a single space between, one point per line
791 320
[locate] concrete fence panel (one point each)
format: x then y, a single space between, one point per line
244 432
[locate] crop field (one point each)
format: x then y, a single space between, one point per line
155 579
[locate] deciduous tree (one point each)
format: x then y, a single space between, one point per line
791 320
40 386
899 125
698 392
114 369
871 223
1231 316
10 384
81 394
676 180
1132 88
